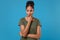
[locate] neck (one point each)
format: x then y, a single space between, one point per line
29 16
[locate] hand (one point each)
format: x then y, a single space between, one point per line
29 19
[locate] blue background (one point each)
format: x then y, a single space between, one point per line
47 11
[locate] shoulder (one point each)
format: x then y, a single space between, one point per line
22 19
36 19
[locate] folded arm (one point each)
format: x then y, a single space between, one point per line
24 31
34 35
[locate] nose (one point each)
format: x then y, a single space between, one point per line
29 12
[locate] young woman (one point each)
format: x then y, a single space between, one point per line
30 26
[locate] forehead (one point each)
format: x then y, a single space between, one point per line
29 8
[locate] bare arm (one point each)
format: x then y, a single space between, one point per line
35 35
25 30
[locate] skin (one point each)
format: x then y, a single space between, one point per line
29 18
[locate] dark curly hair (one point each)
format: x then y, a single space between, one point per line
30 3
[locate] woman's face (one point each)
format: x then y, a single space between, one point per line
29 11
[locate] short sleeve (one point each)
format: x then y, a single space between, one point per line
20 22
39 23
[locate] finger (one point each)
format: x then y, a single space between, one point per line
30 16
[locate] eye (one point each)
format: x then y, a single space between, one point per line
27 10
30 10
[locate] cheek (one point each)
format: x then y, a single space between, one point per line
32 12
27 12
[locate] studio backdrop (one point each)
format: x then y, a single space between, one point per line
47 11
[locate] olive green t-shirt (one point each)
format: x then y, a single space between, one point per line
32 29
